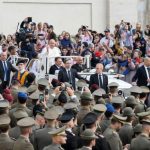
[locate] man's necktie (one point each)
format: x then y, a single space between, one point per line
5 69
69 76
100 81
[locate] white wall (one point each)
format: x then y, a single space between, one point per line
66 15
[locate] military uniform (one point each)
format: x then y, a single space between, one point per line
126 133
140 107
41 136
141 142
23 143
105 124
6 143
56 133
113 139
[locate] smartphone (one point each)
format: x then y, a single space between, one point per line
46 92
41 97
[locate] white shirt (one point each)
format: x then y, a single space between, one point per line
55 52
106 41
147 74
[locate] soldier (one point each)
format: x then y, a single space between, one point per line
6 143
113 88
117 102
142 141
4 107
111 134
58 137
85 100
41 136
131 102
15 131
141 107
98 96
68 119
42 84
22 98
105 123
126 131
137 130
23 142
90 121
89 139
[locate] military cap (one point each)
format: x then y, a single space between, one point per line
81 83
70 105
20 113
86 96
4 104
98 92
34 96
117 100
89 118
131 100
113 84
127 111
119 118
4 119
51 114
58 132
136 89
144 89
99 108
22 96
26 122
143 114
145 121
58 109
88 134
43 81
67 116
137 128
110 108
32 88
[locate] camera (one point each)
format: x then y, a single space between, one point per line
41 97
120 92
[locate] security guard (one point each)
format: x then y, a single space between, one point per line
6 143
23 142
142 141
58 137
111 134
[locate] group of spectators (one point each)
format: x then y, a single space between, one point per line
65 113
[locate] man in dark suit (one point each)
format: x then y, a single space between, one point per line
99 78
79 64
5 70
67 74
54 69
142 76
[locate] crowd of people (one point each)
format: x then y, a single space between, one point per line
70 114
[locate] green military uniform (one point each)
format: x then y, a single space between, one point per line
15 131
56 132
141 142
6 143
126 131
41 136
112 136
23 143
83 110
